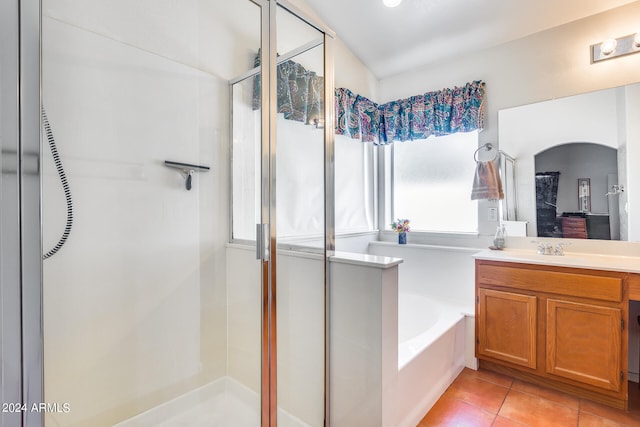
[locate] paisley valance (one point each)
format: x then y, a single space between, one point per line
436 113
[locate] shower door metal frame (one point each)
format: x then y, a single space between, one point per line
269 396
268 75
269 390
10 313
21 338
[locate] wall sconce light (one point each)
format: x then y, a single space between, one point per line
608 46
612 48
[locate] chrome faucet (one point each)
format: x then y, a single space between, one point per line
544 249
559 250
548 249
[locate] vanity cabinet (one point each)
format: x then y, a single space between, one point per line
557 326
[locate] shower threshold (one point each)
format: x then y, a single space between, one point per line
221 403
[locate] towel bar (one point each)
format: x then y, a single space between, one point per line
488 146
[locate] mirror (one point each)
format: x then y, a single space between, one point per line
575 160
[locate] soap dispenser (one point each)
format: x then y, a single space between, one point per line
499 238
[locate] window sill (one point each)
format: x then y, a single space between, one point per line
464 240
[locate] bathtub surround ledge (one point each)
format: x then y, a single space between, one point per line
443 273
368 385
363 338
366 260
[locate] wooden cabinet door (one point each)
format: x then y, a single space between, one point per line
507 327
584 343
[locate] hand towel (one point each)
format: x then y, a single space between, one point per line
486 182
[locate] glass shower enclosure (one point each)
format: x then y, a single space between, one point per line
171 159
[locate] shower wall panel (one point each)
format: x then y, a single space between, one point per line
135 302
216 36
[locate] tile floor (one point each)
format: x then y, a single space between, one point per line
483 398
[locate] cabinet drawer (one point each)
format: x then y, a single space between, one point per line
604 288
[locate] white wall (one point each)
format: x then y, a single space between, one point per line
546 65
244 299
350 72
439 272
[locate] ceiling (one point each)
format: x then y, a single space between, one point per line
418 32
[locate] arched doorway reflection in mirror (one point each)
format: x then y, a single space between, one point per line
573 197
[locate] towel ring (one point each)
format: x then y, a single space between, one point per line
487 147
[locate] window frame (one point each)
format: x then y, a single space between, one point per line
386 199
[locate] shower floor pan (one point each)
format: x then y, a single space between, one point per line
221 403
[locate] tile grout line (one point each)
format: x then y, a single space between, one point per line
579 411
482 408
495 416
504 399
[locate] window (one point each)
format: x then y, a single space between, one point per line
354 177
432 182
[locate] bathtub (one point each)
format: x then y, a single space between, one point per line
421 321
397 340
431 353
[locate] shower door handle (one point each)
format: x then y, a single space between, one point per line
262 237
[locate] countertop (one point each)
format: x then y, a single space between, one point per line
630 264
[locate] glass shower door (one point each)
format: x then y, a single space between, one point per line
300 222
141 320
291 156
